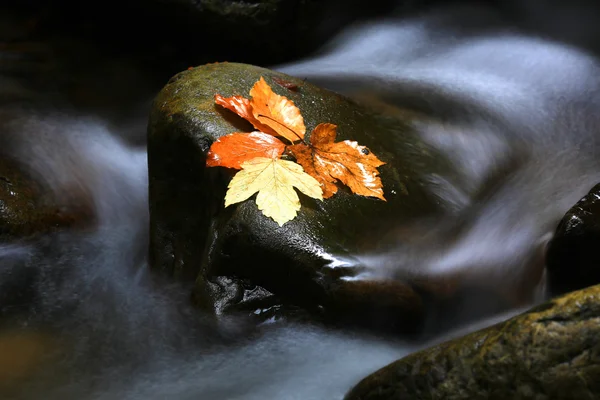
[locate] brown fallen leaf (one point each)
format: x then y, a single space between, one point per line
286 84
347 161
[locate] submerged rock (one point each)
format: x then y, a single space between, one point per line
28 208
550 352
22 354
310 261
573 256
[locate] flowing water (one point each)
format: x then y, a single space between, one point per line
517 114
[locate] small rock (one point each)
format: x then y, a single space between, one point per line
573 256
27 208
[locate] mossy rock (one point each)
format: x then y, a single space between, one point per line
551 352
309 261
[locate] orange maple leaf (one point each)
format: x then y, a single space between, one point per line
267 111
242 107
277 112
232 150
347 161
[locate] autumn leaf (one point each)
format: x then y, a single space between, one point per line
347 161
274 180
232 150
319 166
277 112
242 107
267 111
286 84
238 104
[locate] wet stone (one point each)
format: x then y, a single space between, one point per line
573 256
27 208
550 352
309 262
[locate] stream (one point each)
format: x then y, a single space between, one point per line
516 113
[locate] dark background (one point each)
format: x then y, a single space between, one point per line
176 34
108 57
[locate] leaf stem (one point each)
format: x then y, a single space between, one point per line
286 127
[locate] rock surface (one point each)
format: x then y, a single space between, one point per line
573 256
236 254
27 208
550 352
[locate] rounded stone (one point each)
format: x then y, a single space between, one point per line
312 260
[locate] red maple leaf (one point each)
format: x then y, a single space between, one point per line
232 150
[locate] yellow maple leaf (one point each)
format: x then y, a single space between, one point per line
274 179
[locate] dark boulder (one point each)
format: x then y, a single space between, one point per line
239 257
573 256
